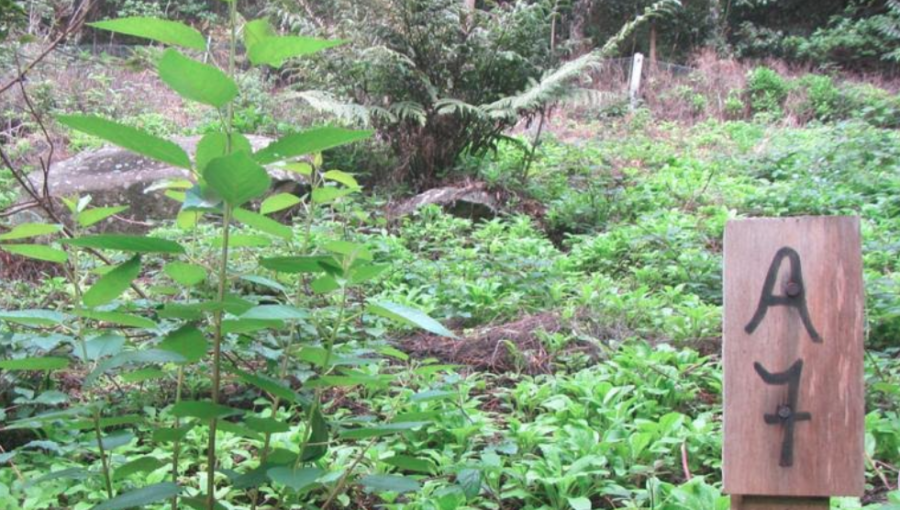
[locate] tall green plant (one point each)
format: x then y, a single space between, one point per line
228 177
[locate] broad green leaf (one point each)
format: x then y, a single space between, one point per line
407 463
389 483
32 317
129 138
113 283
270 386
275 312
273 51
236 178
102 346
135 244
308 142
265 282
278 202
244 326
142 375
169 435
98 214
37 252
296 479
188 341
109 421
138 465
196 81
203 410
382 430
329 194
68 474
26 230
348 249
295 265
411 316
580 503
140 497
243 241
318 438
185 274
266 425
215 145
341 177
120 318
164 31
263 224
128 357
366 272
48 363
324 284
257 30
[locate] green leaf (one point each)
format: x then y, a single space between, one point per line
140 497
120 318
26 230
308 142
273 51
296 479
580 503
113 283
341 177
48 363
366 272
236 178
275 388
98 214
135 244
275 312
278 202
203 410
169 435
327 195
37 252
32 317
318 438
138 465
196 81
382 430
348 249
257 30
411 316
185 274
215 145
142 375
244 326
267 425
188 341
413 464
389 483
324 284
164 31
102 346
128 357
294 265
129 138
263 224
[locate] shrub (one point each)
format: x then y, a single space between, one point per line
874 105
734 105
823 98
766 90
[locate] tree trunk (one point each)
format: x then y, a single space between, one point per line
581 14
653 46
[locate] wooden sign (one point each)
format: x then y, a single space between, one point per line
793 362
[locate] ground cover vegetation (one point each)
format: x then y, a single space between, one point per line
313 348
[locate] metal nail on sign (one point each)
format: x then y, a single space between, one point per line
793 362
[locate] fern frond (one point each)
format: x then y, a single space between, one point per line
327 103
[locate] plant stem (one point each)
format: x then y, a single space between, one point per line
217 361
176 447
98 431
211 457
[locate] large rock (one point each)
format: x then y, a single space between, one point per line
471 200
114 176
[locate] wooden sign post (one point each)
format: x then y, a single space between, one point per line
793 361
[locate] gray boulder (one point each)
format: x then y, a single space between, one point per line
114 176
